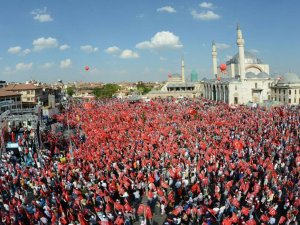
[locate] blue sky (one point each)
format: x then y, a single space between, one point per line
137 40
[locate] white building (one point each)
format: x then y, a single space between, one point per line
287 90
178 87
247 78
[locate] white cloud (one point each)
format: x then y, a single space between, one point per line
163 39
64 47
222 46
205 15
254 51
129 54
47 65
41 15
17 50
167 9
24 66
14 50
228 57
162 58
64 64
43 43
112 50
26 52
140 16
206 5
88 48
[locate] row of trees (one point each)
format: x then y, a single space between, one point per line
108 90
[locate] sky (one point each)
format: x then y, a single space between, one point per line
140 40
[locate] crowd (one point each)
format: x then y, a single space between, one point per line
183 161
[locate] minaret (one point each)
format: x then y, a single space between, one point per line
214 59
182 70
240 43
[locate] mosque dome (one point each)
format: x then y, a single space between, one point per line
250 58
263 75
250 75
289 78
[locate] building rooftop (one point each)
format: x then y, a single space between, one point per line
20 87
5 93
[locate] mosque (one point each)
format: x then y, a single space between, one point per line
248 79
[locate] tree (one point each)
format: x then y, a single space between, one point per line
142 88
106 91
70 91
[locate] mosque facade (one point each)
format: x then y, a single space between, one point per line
247 78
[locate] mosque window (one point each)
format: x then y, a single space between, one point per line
255 85
295 92
294 100
290 92
290 100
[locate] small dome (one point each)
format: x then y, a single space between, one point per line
250 58
263 75
250 75
290 78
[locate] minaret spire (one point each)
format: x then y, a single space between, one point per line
182 69
214 59
240 43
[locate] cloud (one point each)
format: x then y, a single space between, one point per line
163 39
43 43
129 54
162 58
206 5
64 64
254 51
205 15
41 15
26 51
64 47
47 65
88 48
23 66
112 50
140 16
14 50
167 9
17 50
222 46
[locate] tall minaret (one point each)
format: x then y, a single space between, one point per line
214 59
240 42
182 70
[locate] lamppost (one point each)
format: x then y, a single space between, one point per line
66 106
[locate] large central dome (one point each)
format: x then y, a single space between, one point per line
250 58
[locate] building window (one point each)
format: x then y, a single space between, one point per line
284 92
279 91
294 100
290 92
255 85
269 84
236 100
290 100
279 98
269 97
275 91
28 92
28 99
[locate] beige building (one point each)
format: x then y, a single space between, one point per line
30 93
9 100
287 90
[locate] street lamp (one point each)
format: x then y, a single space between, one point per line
66 106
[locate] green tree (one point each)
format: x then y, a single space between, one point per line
142 88
70 91
106 91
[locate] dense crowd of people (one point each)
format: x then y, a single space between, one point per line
185 161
